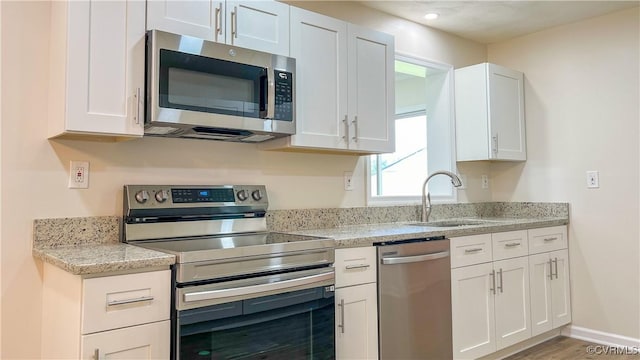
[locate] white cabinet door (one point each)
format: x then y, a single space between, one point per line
540 273
149 341
472 298
199 18
357 322
550 291
371 90
319 45
513 319
506 106
258 25
560 290
104 67
489 113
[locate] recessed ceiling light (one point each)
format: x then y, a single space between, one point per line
431 16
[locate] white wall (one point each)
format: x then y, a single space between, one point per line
582 113
34 170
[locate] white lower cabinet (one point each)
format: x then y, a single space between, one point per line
357 322
550 300
356 330
490 306
149 341
108 317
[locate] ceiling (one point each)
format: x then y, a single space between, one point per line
494 21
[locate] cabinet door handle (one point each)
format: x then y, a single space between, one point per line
550 239
550 270
355 128
96 354
136 97
130 301
493 281
341 325
346 129
471 251
555 261
500 286
495 143
234 23
358 266
513 244
218 24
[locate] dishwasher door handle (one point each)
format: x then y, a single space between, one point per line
414 258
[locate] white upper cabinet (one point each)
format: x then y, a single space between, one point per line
258 25
344 86
97 68
489 113
371 90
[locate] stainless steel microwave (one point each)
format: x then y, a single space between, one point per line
205 90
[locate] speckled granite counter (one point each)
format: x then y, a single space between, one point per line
91 245
103 258
366 235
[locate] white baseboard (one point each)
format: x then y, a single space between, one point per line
599 337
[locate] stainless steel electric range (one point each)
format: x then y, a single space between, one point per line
239 291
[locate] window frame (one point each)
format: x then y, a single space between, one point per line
452 195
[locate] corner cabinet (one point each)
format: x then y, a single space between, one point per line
344 86
489 103
96 68
119 316
258 25
356 304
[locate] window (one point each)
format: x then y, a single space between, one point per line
424 136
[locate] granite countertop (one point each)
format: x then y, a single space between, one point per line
367 235
91 245
103 258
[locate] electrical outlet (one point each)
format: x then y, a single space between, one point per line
593 182
79 175
348 180
485 181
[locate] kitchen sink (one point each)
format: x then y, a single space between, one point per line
453 223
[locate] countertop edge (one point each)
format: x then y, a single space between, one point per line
148 259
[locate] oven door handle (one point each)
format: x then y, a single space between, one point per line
253 289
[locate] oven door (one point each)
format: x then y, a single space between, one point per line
283 316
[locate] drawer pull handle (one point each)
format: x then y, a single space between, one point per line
471 251
550 239
129 301
358 266
514 244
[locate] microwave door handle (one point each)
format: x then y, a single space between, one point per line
270 96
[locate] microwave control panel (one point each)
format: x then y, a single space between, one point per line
283 95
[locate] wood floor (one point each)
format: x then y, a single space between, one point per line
564 348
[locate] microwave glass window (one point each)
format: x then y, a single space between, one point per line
198 83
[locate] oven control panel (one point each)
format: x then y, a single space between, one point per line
192 196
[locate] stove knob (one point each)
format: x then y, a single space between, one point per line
256 195
162 195
242 195
142 196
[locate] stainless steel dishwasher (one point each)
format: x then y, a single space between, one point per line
414 299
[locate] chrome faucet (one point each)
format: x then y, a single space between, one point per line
426 197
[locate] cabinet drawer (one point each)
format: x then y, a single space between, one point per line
117 301
547 239
470 250
510 244
355 266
